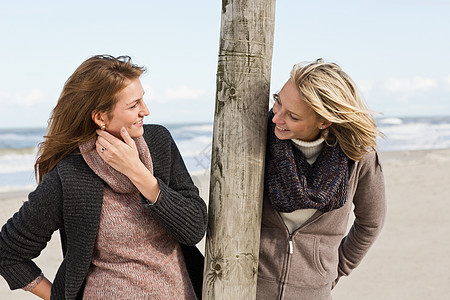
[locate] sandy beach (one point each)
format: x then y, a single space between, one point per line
408 261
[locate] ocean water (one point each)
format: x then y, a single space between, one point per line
18 146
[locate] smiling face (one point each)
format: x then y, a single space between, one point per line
129 111
293 118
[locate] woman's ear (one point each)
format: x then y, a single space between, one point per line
324 125
99 118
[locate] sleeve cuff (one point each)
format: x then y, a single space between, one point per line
34 283
148 203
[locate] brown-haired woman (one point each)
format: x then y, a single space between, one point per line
118 191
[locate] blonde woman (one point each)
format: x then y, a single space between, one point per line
321 161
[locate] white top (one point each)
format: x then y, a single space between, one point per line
311 150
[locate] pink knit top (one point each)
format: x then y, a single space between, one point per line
134 257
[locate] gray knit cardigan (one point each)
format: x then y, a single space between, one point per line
70 200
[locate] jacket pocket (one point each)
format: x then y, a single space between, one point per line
316 257
313 263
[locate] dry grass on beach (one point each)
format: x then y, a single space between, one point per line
409 260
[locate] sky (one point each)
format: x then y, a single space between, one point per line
397 52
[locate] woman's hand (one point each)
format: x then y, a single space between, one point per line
121 155
124 157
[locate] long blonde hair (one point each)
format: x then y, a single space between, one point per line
333 95
92 87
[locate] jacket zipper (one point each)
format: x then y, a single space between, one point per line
291 250
288 262
291 245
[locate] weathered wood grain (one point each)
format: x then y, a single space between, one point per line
238 151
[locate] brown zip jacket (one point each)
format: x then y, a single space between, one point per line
307 263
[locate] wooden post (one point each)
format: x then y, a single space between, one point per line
238 149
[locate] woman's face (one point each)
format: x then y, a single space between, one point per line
293 118
129 111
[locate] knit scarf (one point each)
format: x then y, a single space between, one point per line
292 183
113 178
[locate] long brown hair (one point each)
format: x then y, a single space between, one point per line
92 87
333 95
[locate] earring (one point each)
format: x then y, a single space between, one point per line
320 127
102 126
